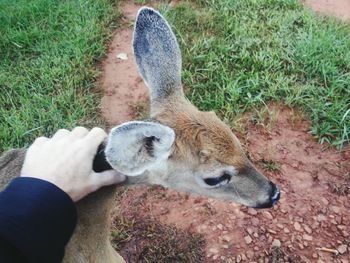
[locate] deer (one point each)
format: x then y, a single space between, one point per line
178 147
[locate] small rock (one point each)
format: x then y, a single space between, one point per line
321 217
267 215
249 230
248 239
226 238
286 230
342 249
244 257
271 231
238 258
215 257
256 248
335 209
219 226
255 221
307 229
213 250
324 201
252 211
307 237
276 243
256 235
122 56
297 226
314 255
250 254
301 246
280 226
225 246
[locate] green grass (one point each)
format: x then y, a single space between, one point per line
48 53
239 55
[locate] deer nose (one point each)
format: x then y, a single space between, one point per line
275 194
274 197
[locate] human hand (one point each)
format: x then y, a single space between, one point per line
66 161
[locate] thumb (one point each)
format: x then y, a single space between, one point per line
107 178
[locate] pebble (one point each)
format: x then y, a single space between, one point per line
342 249
249 230
280 226
238 258
335 209
248 239
267 215
219 226
226 238
297 226
321 217
252 211
307 229
307 237
286 230
250 254
255 221
271 231
213 250
276 243
324 201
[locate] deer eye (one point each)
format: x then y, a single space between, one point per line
216 181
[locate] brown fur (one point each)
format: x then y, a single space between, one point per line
197 131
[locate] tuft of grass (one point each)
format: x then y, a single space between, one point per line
269 165
239 55
48 52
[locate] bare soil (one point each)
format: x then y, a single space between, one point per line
337 8
311 220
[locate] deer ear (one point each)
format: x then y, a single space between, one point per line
137 146
157 54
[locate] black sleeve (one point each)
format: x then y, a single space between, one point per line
37 220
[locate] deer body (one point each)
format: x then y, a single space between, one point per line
180 147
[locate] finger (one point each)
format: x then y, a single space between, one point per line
107 178
94 138
78 132
60 133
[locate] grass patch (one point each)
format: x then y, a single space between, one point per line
269 165
238 55
48 52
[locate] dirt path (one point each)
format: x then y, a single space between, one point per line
124 88
337 8
312 213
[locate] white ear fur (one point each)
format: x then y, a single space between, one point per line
137 146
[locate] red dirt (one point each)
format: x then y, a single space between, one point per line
337 8
124 88
315 182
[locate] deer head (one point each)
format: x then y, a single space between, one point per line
181 147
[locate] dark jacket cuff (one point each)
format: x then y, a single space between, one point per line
37 218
